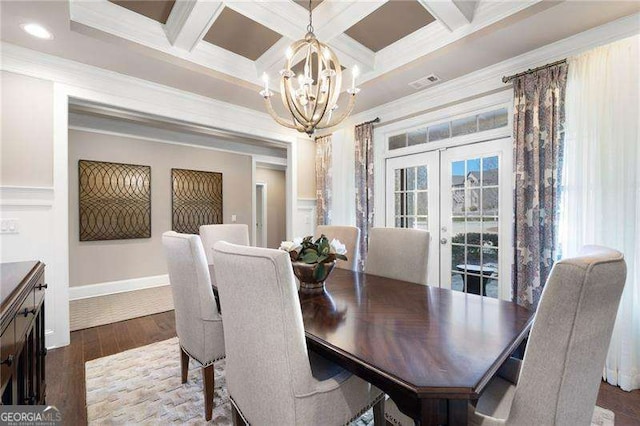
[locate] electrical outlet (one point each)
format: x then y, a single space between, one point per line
9 226
233 218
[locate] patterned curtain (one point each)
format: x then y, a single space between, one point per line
323 180
538 145
364 186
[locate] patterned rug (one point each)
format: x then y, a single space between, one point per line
142 386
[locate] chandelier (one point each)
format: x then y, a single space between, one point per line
311 97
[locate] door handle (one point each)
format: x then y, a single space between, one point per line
443 240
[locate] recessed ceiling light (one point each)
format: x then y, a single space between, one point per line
37 30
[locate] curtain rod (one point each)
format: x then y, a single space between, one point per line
375 120
507 79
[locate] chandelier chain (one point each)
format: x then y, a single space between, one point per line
310 26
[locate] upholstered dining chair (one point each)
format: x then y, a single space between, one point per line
235 233
349 236
557 382
398 253
198 323
271 377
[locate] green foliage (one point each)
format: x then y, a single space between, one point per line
318 251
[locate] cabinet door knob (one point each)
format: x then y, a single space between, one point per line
8 361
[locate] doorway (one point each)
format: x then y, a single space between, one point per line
462 196
261 214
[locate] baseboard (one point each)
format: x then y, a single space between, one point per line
113 287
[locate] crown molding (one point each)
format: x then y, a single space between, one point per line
142 94
489 79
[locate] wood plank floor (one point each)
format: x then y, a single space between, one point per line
65 367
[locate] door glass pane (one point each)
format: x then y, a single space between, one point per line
422 177
475 231
411 203
423 204
397 185
490 171
473 202
411 178
473 172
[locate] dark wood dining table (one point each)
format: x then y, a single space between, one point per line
432 350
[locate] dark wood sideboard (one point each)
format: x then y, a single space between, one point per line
22 346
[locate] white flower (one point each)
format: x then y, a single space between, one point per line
290 246
337 247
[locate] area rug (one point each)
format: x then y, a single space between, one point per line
142 386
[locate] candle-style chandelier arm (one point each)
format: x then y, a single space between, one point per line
278 119
340 119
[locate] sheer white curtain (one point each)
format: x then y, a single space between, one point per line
601 181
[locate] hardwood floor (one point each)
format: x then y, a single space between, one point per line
65 367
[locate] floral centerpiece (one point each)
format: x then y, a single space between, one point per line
313 261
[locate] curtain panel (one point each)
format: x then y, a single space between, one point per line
323 180
538 143
364 186
601 182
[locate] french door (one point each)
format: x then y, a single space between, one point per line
462 196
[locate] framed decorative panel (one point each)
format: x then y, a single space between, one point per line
115 201
196 199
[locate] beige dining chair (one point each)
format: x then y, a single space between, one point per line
557 383
398 253
236 233
198 323
271 377
347 235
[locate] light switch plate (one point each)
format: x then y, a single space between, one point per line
9 226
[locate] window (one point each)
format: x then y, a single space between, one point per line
459 127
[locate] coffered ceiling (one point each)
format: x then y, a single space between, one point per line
245 38
157 10
198 48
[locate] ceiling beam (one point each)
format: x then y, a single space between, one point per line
332 18
190 20
282 17
453 14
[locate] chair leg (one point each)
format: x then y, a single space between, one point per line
236 417
184 365
208 379
378 413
